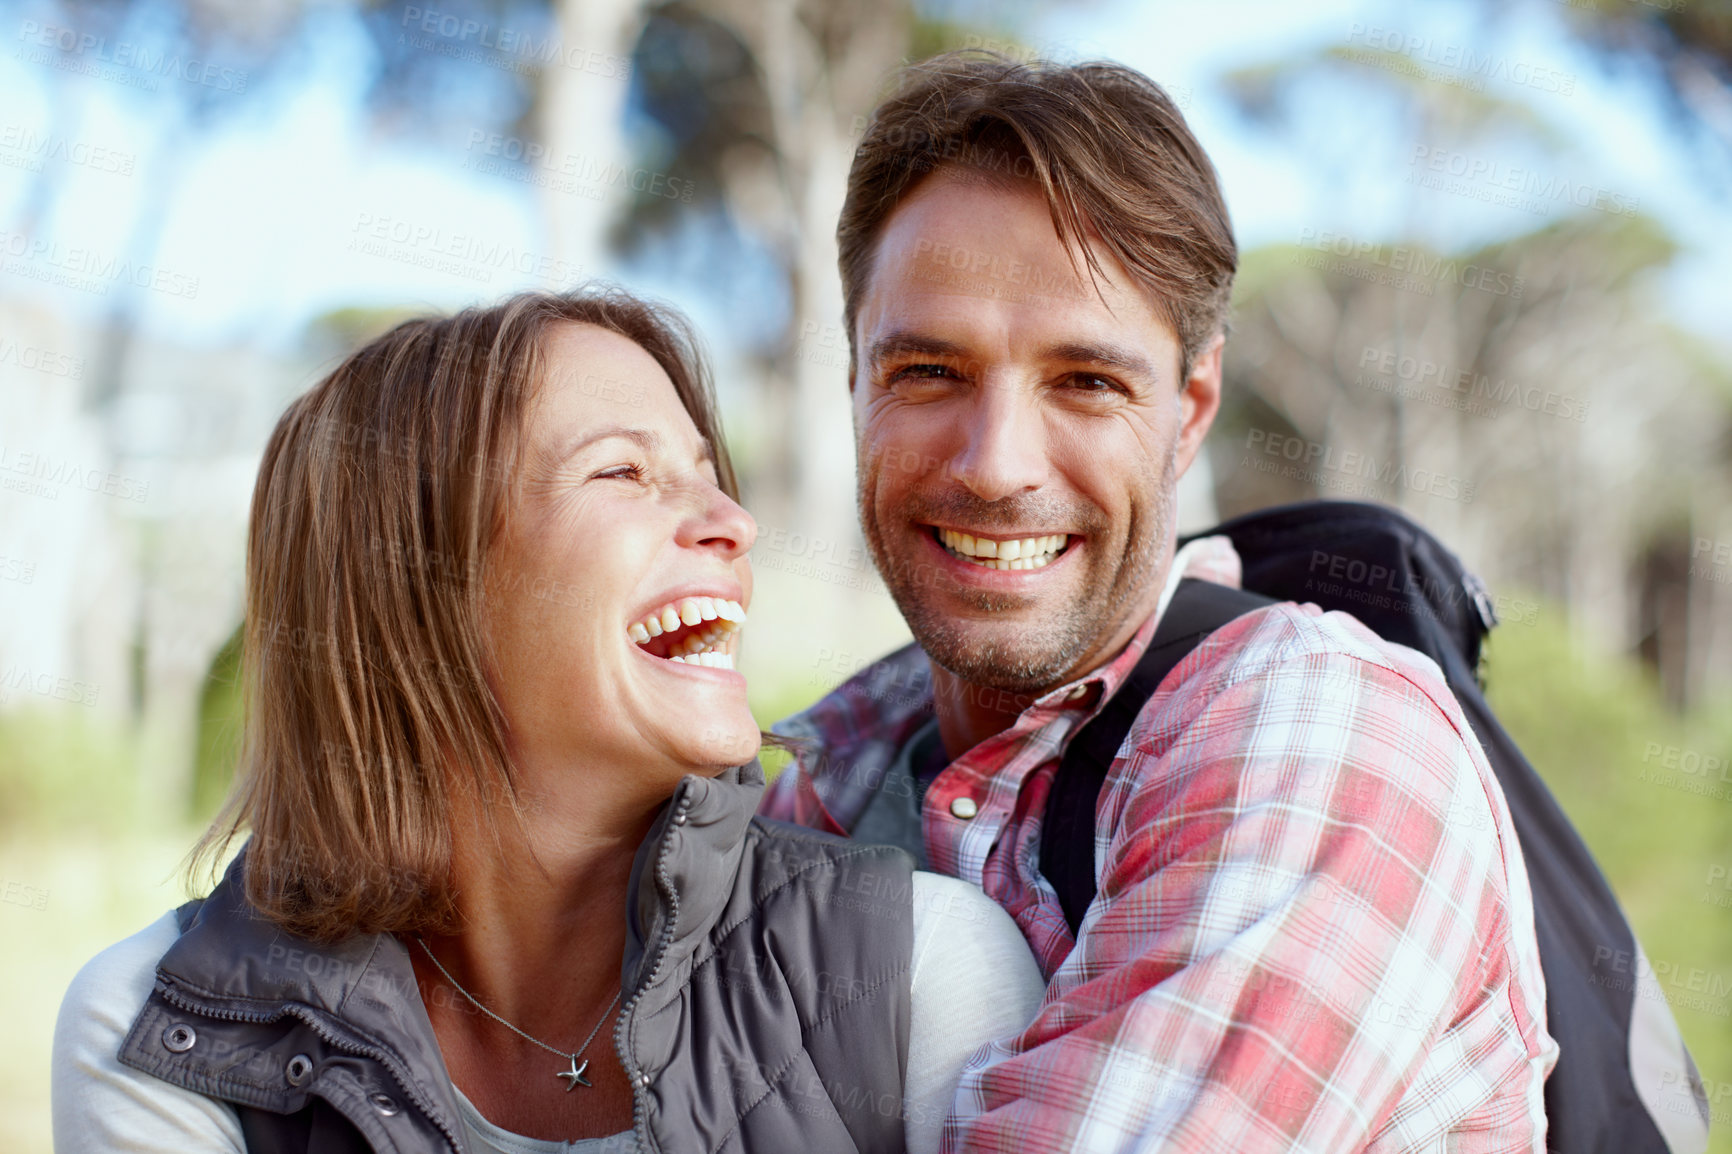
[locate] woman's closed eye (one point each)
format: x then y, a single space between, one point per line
619 472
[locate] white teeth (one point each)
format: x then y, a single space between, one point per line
1021 553
708 622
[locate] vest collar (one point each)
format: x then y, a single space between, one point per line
685 872
361 994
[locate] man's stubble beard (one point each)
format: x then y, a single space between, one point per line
1040 655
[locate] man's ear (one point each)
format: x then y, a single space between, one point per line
1199 401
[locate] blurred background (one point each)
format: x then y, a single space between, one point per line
1483 240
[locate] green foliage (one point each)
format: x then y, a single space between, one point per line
1619 762
63 771
219 730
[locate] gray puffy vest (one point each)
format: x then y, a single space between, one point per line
765 1002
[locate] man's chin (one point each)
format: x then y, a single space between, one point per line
1000 655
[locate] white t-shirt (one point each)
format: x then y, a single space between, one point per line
974 981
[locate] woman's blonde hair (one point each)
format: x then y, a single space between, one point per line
364 664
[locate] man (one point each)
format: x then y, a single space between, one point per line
1313 929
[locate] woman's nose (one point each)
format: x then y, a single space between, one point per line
726 527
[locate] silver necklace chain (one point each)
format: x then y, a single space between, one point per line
575 1074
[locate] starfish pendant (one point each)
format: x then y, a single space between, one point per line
575 1074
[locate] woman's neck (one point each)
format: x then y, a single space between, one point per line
542 911
539 942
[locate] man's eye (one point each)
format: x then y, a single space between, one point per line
922 372
1092 383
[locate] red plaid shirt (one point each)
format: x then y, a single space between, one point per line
1313 928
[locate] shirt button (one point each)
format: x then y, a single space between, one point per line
964 808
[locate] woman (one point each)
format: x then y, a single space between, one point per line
503 889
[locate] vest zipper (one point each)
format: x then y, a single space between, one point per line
640 1119
383 1057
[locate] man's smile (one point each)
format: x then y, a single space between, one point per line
1012 553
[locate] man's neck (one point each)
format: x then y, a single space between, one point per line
969 713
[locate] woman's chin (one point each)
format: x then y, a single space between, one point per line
719 746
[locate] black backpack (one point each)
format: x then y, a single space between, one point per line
1382 568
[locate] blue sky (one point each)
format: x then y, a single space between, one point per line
267 212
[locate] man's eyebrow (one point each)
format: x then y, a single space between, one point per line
1106 355
905 341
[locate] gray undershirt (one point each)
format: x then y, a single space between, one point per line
892 817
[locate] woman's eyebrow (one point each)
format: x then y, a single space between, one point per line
648 439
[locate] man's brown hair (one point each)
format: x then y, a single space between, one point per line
364 667
1105 144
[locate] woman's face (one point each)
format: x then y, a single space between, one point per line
619 531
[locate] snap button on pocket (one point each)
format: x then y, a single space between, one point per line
383 1103
179 1039
298 1069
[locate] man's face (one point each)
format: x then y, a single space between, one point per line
1004 406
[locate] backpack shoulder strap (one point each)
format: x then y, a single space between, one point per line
1067 840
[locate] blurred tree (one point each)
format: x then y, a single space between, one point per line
1566 310
1553 398
758 104
203 64
1687 44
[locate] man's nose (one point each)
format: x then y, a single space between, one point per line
1004 450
